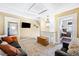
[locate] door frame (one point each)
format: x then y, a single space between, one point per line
74 25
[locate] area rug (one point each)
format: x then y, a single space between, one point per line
32 48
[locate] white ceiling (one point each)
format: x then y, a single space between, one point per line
36 9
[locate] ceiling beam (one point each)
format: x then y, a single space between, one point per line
31 6
42 11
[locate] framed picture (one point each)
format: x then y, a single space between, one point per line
12 28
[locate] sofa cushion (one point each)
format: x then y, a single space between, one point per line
10 50
15 44
0 41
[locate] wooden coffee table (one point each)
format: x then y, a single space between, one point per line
42 40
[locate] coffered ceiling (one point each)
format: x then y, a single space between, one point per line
35 9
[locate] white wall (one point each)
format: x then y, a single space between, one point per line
31 32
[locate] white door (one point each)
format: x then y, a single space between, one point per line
68 22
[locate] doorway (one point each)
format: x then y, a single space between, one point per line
69 23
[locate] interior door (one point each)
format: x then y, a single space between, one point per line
69 23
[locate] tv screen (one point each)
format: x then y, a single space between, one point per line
26 25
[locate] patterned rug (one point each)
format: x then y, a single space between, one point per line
32 48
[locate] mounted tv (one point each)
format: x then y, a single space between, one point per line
26 25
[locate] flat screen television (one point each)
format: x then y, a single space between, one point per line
26 25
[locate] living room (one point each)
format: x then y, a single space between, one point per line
37 27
